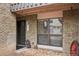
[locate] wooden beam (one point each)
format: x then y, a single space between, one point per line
48 8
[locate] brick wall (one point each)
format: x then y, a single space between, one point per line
7 30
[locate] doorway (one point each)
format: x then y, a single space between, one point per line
21 32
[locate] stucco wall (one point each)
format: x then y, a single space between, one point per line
70 29
7 30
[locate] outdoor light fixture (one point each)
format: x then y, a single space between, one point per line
45 24
27 26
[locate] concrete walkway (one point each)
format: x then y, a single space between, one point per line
37 52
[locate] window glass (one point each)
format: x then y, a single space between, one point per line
55 28
50 32
43 32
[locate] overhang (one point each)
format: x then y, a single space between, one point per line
47 8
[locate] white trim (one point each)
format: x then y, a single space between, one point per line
51 47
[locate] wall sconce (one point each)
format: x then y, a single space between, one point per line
45 24
27 24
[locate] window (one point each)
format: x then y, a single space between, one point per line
50 32
55 31
42 32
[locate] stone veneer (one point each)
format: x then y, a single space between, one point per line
7 30
70 29
32 33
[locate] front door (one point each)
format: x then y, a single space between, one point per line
21 34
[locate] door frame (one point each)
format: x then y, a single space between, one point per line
17 20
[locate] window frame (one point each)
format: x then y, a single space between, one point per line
60 18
